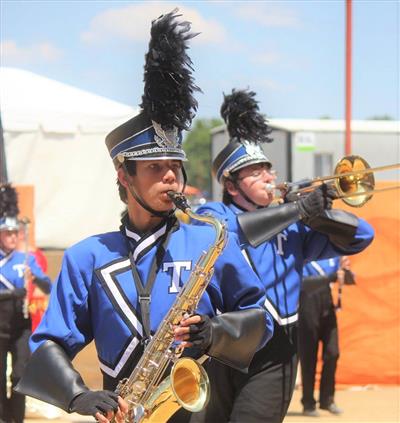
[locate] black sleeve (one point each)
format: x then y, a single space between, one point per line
340 227
236 337
261 225
43 284
50 377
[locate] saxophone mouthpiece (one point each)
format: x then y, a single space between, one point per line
179 200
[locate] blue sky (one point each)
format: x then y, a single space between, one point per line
290 52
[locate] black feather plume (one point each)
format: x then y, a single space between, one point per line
169 86
8 201
241 114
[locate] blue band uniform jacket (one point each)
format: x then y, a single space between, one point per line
279 262
94 297
12 268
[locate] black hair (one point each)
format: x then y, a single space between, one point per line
233 178
129 166
226 197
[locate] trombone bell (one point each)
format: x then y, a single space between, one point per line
355 180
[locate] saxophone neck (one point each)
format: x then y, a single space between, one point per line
181 203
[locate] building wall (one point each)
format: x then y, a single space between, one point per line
377 149
299 154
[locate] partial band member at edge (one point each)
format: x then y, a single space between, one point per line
19 274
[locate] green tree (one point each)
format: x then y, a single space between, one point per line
381 117
197 145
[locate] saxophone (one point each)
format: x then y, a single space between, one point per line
150 398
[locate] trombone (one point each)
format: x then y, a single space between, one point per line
353 180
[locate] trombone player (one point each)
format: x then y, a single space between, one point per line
283 238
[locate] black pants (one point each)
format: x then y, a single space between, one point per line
317 322
12 407
263 394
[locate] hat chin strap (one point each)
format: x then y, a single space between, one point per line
246 197
153 212
147 207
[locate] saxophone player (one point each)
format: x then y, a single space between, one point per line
115 288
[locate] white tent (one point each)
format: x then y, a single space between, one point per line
54 140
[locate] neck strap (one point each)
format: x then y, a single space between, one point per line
144 290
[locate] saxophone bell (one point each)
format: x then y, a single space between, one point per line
190 384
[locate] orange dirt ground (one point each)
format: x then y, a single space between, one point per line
371 403
360 404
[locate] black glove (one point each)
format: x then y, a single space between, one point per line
90 402
315 203
200 334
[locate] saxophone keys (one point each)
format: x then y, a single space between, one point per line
138 387
154 364
138 414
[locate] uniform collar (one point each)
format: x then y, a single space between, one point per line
141 243
4 257
236 208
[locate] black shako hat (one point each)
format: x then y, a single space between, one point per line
8 208
168 105
247 129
